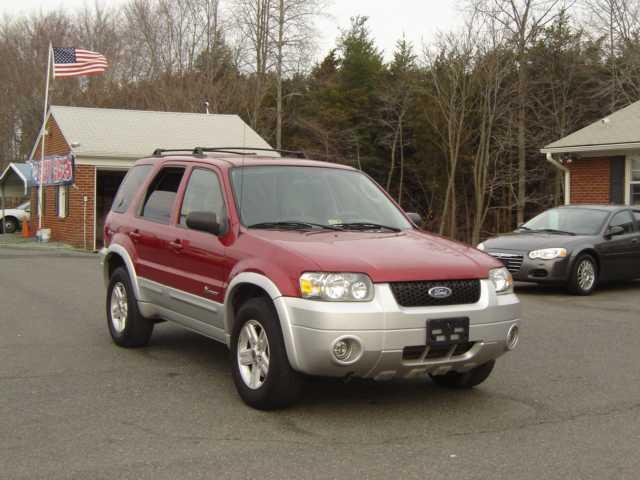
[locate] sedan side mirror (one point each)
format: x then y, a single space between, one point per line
415 218
614 231
204 222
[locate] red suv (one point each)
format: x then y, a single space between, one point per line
301 268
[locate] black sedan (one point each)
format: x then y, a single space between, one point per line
577 246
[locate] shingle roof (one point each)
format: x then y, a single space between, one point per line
107 132
618 131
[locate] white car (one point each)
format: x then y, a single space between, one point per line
13 217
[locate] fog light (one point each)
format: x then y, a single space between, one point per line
342 350
513 337
346 350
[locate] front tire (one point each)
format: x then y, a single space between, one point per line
584 276
465 380
128 328
259 364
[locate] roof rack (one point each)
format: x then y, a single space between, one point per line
234 150
200 151
159 151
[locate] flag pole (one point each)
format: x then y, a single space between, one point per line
44 134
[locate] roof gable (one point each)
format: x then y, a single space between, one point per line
107 132
614 131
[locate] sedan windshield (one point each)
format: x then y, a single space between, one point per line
294 197
576 221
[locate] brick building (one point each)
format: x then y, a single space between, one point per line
601 162
106 142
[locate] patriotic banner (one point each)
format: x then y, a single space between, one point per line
75 62
58 170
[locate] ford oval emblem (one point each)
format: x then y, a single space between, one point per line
440 292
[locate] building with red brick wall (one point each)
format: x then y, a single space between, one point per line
601 162
106 143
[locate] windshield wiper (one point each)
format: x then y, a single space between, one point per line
292 225
553 230
364 226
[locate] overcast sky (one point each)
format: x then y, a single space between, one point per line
418 19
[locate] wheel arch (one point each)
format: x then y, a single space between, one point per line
250 285
591 251
114 257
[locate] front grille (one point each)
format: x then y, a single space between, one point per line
416 294
512 261
417 352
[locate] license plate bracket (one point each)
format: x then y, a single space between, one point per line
443 332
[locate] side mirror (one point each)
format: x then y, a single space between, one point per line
614 231
415 218
204 222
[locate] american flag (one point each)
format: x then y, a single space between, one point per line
74 62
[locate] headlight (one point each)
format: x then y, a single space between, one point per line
481 246
502 280
336 287
548 253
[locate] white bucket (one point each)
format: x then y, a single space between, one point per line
44 234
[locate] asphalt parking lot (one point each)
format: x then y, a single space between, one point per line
565 404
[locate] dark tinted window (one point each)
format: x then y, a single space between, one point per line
129 187
203 194
161 195
624 220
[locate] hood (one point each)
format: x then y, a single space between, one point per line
527 241
385 257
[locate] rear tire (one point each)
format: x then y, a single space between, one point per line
128 328
584 276
10 225
259 364
465 380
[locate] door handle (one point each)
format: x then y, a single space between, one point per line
176 245
635 241
135 235
209 291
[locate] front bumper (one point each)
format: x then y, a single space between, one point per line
385 330
524 269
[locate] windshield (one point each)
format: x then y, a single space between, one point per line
274 194
579 221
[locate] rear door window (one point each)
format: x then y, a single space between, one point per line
161 196
130 185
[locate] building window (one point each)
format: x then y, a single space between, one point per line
63 201
634 196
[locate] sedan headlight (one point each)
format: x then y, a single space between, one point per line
548 253
336 287
502 280
481 246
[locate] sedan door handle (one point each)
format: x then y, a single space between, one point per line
635 241
135 235
176 245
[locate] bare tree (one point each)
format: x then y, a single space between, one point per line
450 91
294 40
523 20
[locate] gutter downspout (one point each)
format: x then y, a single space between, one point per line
567 177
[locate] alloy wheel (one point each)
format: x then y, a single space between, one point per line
253 354
586 275
119 307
